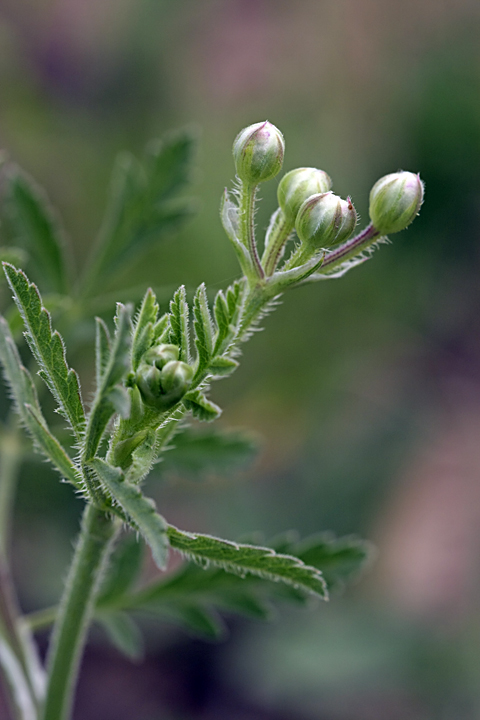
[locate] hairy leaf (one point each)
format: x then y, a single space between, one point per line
103 347
139 509
48 349
200 407
107 396
222 366
34 223
244 559
26 403
203 328
179 324
143 335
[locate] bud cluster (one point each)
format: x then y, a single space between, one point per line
321 219
162 378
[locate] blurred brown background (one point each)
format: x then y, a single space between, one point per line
366 391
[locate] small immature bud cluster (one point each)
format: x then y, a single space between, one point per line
395 200
162 378
321 219
258 153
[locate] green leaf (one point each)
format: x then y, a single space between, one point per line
204 621
203 328
339 559
103 347
143 335
143 200
34 222
139 509
200 407
209 451
222 318
108 397
48 349
122 572
123 633
222 366
26 403
229 215
179 324
243 559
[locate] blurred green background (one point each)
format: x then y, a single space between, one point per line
365 391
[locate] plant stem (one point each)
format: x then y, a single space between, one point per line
350 249
277 235
91 556
247 213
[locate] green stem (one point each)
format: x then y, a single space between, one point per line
247 223
10 460
350 249
277 235
91 555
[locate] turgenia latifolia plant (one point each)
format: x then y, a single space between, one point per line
153 371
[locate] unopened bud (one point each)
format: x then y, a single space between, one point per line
258 153
160 355
325 219
161 389
395 201
298 185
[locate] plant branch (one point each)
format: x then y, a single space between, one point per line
76 608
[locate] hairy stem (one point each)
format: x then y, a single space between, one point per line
350 249
247 224
91 556
277 235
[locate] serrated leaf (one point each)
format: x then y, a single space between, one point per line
26 403
222 319
203 328
339 559
143 202
122 572
123 633
243 559
197 453
35 224
235 300
139 509
108 397
143 335
179 324
200 407
161 329
103 346
48 349
222 366
204 621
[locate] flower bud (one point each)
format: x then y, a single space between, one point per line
148 382
175 380
161 389
325 219
160 355
395 201
298 185
258 153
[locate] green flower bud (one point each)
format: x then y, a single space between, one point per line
325 219
258 153
148 379
161 389
395 201
160 355
298 185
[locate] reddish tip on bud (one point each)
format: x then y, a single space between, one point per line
395 200
258 153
